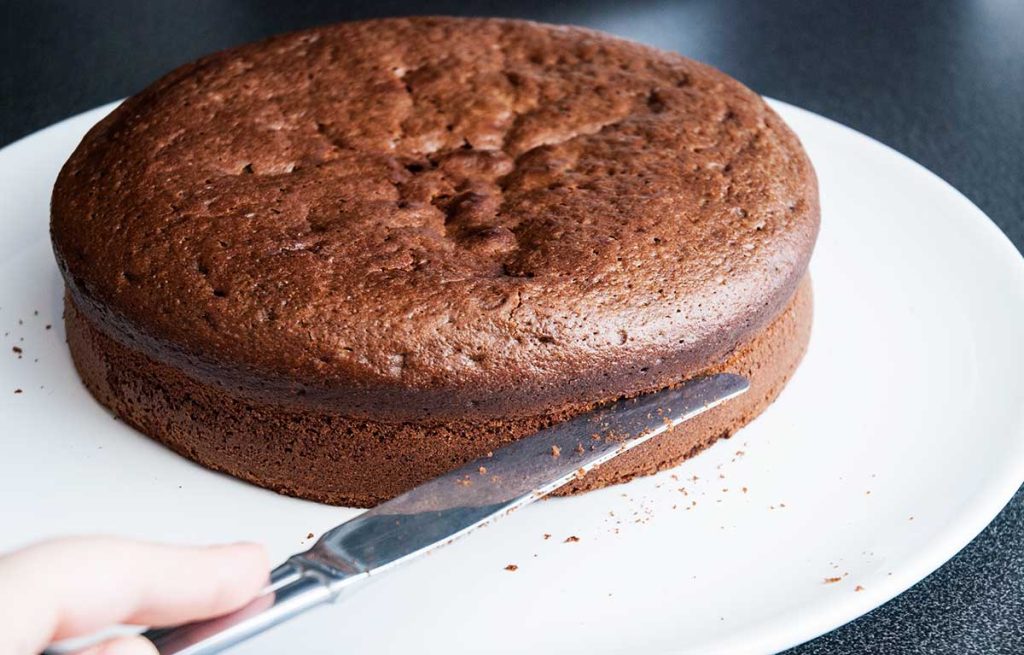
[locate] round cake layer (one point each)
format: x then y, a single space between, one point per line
325 455
423 220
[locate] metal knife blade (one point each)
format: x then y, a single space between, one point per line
436 512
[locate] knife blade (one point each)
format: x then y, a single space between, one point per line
437 512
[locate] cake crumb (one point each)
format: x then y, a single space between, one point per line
483 470
17 350
579 448
743 489
571 539
858 588
546 536
511 567
17 391
309 536
556 451
48 326
832 580
490 453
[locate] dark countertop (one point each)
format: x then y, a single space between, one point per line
941 81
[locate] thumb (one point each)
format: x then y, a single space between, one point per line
74 587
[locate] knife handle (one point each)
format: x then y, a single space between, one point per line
293 588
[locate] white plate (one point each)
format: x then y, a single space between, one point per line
897 441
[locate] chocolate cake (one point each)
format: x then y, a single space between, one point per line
340 262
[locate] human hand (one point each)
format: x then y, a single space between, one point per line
74 587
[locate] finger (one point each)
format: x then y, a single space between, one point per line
122 646
76 586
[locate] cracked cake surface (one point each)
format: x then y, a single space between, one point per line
432 218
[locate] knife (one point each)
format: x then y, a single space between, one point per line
437 512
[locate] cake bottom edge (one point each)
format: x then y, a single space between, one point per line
327 457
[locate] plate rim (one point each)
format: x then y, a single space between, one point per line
999 492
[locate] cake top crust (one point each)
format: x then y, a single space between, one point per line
437 217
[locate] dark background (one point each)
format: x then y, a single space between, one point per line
942 82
